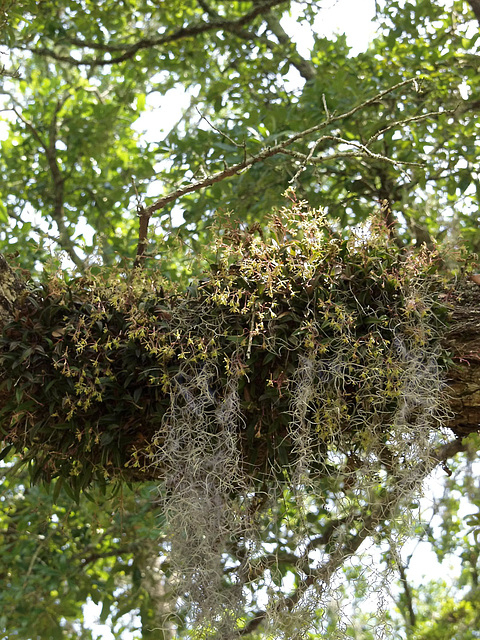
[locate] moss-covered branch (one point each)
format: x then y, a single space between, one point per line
90 367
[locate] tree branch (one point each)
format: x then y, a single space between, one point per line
268 152
475 4
58 180
144 219
7 73
304 67
411 618
129 51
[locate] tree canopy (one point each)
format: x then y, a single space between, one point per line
213 393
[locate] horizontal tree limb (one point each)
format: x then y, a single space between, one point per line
461 338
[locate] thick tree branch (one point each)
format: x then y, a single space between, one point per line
463 342
475 4
144 219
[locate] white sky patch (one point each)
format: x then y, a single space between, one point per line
6 116
92 612
354 18
162 113
4 131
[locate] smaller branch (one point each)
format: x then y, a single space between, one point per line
41 232
363 152
312 151
401 123
31 128
58 180
32 561
222 133
5 73
324 102
100 555
207 8
411 618
353 154
272 151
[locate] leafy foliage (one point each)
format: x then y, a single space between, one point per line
56 555
74 175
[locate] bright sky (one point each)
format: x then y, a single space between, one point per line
352 17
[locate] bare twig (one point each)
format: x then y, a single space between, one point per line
240 145
324 102
401 123
7 73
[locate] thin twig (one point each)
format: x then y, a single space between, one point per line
222 133
401 123
324 100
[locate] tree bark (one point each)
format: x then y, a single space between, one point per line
475 4
462 339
